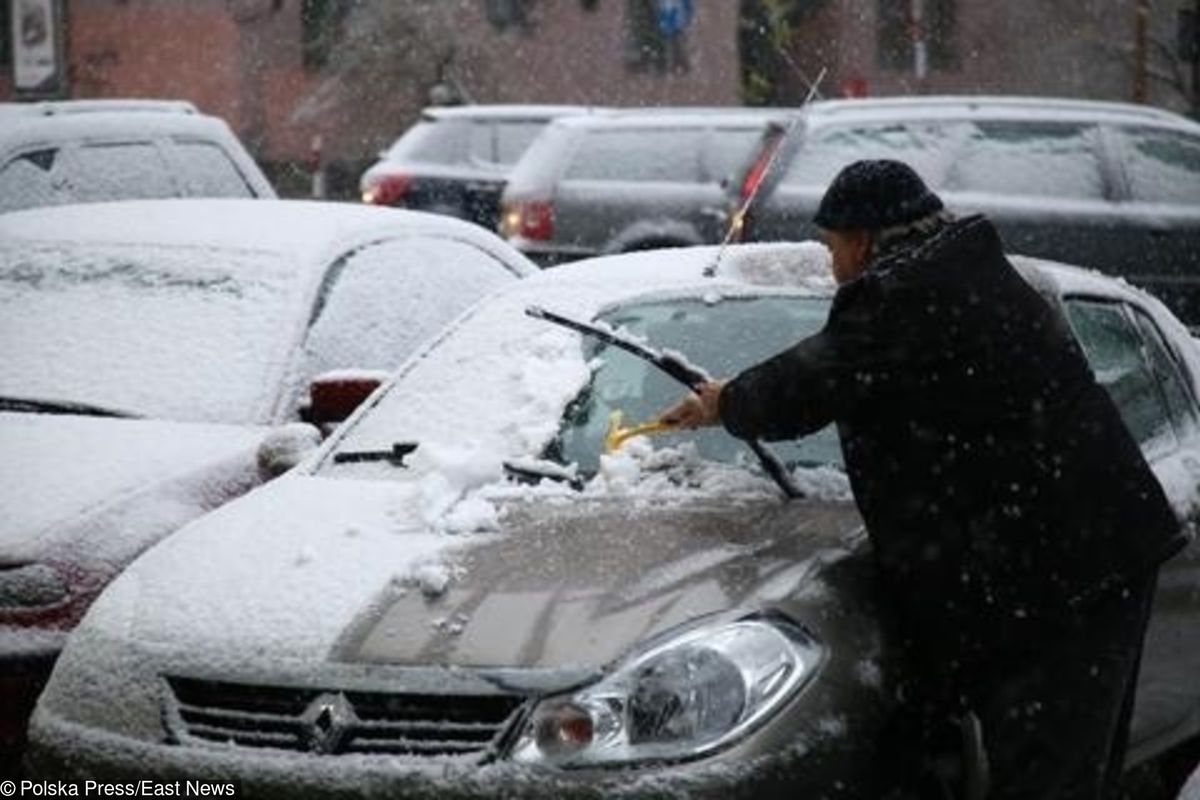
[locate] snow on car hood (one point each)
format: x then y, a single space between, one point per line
370 572
57 469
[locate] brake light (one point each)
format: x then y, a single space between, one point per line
533 219
758 172
388 190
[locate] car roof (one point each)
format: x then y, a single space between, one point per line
675 116
510 111
989 107
307 232
52 108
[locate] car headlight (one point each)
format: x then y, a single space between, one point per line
31 586
684 698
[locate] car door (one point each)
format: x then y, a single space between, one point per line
1156 395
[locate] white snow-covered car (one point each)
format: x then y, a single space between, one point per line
460 594
87 151
148 348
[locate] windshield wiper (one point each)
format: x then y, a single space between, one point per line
534 472
394 456
24 405
676 367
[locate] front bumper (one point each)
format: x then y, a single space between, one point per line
62 750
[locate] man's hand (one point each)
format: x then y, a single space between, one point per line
699 409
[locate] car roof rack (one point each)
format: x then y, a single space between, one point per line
52 108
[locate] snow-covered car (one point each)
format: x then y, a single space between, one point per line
84 151
148 349
467 591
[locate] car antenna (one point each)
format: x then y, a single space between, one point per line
737 219
676 367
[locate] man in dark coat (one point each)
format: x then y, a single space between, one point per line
1017 527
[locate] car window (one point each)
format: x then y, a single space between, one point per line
724 338
29 180
1029 158
121 171
1122 365
514 137
435 142
207 171
1162 166
1181 403
927 147
665 154
379 302
729 149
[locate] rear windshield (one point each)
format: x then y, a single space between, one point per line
664 154
181 333
436 142
466 141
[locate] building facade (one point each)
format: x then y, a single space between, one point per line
334 81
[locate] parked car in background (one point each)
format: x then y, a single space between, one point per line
79 151
1110 185
632 180
461 594
455 160
156 358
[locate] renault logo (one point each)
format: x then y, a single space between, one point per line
326 721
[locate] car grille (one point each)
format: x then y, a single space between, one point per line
335 722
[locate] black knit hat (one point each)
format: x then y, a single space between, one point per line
872 195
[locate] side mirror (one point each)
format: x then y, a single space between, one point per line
285 447
333 396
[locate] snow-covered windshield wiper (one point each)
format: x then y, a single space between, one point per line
394 456
26 405
535 471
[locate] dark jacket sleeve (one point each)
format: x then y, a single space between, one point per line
802 389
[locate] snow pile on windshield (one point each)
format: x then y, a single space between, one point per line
639 469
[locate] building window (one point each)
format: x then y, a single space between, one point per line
656 35
506 14
321 22
904 23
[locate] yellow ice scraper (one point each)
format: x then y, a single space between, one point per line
617 435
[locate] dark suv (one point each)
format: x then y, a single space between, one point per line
455 160
628 180
1111 185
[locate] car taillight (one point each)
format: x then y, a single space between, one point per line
533 219
388 190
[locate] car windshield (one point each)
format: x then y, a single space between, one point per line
722 338
192 334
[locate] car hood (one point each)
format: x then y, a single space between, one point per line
351 571
578 585
58 470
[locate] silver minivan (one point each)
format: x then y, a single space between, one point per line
627 180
